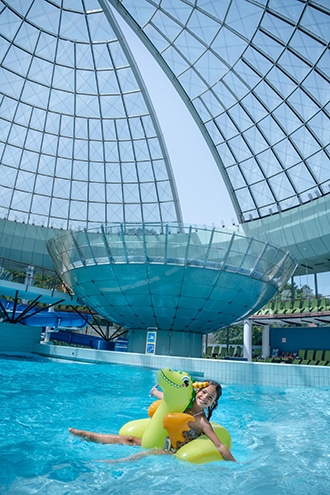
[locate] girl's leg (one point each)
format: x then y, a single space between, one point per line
108 438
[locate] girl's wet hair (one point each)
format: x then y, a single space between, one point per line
218 391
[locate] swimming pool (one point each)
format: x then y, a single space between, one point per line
280 435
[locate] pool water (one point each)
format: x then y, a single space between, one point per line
280 436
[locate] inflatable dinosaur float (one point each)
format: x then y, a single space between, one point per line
167 419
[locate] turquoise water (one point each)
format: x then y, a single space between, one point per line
280 436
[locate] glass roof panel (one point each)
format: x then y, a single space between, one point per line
282 186
166 25
318 87
235 175
277 27
318 125
223 98
179 10
229 46
210 68
251 173
203 26
316 21
189 47
242 17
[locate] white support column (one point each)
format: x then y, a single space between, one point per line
48 330
247 340
265 351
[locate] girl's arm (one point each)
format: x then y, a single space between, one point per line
209 432
154 392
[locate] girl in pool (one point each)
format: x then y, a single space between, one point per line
206 399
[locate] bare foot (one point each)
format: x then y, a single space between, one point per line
86 435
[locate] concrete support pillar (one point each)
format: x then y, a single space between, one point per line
265 351
247 344
168 343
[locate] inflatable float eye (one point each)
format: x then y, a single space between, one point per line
186 381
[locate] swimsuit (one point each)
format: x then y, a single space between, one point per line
189 435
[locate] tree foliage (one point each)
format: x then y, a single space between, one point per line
233 335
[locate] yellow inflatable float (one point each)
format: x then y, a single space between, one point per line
167 419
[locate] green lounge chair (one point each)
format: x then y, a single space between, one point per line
317 358
280 310
312 307
215 352
297 306
316 305
289 308
309 357
239 350
300 357
222 353
326 360
208 351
